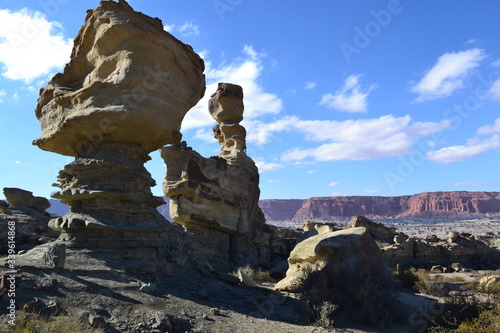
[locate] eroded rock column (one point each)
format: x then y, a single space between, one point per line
123 94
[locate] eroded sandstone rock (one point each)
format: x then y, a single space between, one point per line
17 197
123 94
351 249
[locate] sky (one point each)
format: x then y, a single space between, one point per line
357 97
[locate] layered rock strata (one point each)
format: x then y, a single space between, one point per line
123 94
428 204
220 194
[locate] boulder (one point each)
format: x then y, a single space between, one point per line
17 197
351 249
378 231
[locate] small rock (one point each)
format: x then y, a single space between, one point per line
55 255
231 279
35 306
215 311
148 287
246 279
97 321
202 293
163 322
205 316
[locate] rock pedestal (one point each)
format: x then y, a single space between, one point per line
123 94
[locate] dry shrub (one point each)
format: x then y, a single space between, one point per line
362 294
30 323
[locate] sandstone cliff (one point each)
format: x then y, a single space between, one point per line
428 204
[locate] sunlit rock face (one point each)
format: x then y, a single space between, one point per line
123 94
221 192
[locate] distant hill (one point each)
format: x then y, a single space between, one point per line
428 204
58 208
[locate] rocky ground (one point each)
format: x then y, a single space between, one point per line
191 303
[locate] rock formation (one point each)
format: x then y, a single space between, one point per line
217 198
27 215
350 249
458 247
17 197
123 94
378 231
444 204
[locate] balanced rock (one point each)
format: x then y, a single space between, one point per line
220 192
123 94
352 249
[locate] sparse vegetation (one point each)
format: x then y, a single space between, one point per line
259 276
363 294
421 281
31 323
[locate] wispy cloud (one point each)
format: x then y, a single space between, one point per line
490 129
185 30
494 91
352 97
267 166
309 85
473 147
371 191
31 46
333 184
447 75
245 72
2 94
470 184
363 139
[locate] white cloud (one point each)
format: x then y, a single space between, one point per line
244 72
447 75
273 181
266 166
494 91
311 172
472 148
364 139
309 85
371 191
495 63
2 93
260 132
489 129
350 98
185 30
333 184
470 184
31 46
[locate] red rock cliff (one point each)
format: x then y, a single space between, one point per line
419 205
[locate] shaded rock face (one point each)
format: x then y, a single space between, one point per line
17 197
123 94
450 204
350 249
31 227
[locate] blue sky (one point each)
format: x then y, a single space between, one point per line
341 97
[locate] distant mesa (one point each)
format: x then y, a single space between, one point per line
428 204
